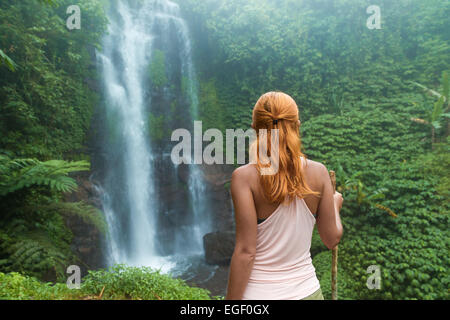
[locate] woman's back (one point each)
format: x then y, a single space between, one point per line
264 208
282 267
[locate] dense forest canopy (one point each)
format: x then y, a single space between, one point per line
364 100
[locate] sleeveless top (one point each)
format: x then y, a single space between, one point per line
283 268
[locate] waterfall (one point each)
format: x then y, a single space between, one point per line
154 209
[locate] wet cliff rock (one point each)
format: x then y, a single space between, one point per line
87 238
219 244
219 247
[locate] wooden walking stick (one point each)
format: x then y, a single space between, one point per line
334 252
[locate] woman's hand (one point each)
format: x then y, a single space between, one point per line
338 200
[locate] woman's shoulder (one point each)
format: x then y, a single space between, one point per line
247 171
315 165
316 170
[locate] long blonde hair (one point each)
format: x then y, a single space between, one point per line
277 110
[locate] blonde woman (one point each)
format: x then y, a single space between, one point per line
275 214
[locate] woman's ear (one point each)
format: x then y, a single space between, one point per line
299 123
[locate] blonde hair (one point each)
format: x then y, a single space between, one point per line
277 110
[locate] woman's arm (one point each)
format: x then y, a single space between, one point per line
328 220
246 230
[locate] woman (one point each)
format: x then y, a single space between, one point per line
275 214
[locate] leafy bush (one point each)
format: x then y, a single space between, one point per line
117 283
14 286
411 248
122 282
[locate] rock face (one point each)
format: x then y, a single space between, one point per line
218 178
219 247
87 239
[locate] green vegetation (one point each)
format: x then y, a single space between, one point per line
46 107
5 60
117 283
357 90
322 263
34 238
158 69
374 106
211 112
156 127
16 174
440 110
45 113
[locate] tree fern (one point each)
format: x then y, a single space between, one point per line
16 174
32 251
88 213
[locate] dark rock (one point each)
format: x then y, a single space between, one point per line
219 247
217 177
92 84
183 173
216 284
87 239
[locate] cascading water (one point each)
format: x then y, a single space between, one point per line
155 210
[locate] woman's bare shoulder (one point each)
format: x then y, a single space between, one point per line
247 172
315 169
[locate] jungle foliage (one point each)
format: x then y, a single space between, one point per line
118 283
45 113
367 108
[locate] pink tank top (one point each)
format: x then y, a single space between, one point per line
283 268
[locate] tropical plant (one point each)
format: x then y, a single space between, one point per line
7 61
361 196
16 174
440 110
40 242
119 282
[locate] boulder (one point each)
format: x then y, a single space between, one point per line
219 247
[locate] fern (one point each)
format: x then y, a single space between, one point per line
16 174
88 213
33 253
33 236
